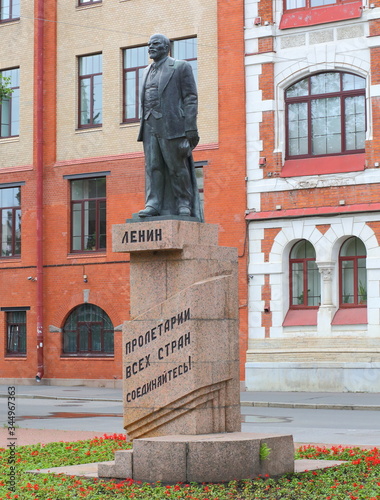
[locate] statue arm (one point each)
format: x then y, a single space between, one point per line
189 97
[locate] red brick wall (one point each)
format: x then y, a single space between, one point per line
266 10
266 315
108 273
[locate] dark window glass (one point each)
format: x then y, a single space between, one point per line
88 331
10 107
10 203
353 273
135 60
88 214
187 49
301 4
16 332
305 285
88 2
9 10
90 91
325 115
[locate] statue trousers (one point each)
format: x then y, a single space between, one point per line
165 162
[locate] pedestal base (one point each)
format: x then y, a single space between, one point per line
209 458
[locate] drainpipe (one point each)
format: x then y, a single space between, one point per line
39 169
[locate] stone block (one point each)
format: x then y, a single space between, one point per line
159 460
153 235
221 458
217 457
123 464
106 469
281 458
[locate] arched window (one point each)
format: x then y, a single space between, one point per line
305 285
353 273
325 115
88 331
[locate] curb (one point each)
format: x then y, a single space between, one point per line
61 398
309 406
253 404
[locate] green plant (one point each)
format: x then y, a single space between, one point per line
5 91
264 451
362 293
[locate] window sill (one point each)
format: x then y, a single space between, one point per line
15 356
85 255
88 6
324 165
83 130
87 356
9 21
319 15
13 138
301 317
350 316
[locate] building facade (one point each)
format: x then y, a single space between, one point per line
71 168
313 138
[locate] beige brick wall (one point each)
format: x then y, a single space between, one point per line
108 28
17 51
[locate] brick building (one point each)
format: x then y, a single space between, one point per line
313 142
70 168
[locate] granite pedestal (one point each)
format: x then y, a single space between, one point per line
181 360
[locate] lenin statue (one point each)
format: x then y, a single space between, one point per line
168 130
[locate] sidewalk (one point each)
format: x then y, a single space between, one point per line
305 400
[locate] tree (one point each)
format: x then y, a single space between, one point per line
5 91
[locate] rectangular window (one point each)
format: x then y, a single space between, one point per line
135 60
187 50
10 203
90 91
10 107
88 214
16 333
299 4
9 10
87 2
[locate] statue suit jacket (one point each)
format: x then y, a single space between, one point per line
178 98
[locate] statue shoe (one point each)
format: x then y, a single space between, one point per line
184 211
149 212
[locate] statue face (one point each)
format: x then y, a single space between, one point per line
157 48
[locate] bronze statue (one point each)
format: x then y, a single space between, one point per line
168 130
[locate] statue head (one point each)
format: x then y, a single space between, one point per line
158 47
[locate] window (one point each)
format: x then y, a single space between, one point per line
353 273
10 202
9 10
10 107
88 214
325 115
305 285
186 49
90 91
135 60
88 331
16 333
300 4
88 2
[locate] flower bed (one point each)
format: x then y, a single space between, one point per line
358 479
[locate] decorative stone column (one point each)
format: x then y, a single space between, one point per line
327 308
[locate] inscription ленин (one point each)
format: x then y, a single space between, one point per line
142 235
